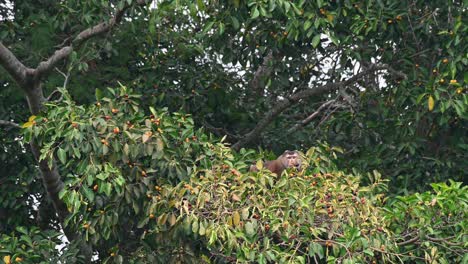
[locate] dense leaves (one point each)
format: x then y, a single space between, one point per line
145 182
156 184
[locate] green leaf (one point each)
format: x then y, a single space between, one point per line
255 13
259 164
201 230
62 155
208 26
22 230
88 193
235 23
221 28
201 5
316 40
153 111
195 226
369 252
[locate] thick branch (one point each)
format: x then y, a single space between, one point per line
9 123
13 66
287 102
45 67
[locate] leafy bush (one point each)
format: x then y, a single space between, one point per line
147 189
29 246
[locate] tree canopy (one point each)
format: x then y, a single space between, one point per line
155 168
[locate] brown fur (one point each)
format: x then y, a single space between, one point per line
287 160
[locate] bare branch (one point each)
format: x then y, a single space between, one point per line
13 66
409 241
66 76
303 94
9 124
309 119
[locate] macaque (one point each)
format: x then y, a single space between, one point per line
289 159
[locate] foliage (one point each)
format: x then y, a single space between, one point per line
201 57
156 184
29 246
435 222
132 163
297 217
114 159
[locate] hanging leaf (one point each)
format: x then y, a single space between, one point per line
255 13
235 23
430 103
316 41
62 155
98 94
259 165
236 218
172 219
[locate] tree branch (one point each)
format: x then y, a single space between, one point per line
45 67
287 102
13 66
309 119
9 123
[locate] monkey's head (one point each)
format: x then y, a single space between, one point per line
291 159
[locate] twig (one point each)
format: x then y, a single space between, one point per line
407 242
309 119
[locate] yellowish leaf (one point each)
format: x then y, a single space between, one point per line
162 219
27 124
229 221
330 18
7 259
236 218
430 103
31 118
172 219
259 164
